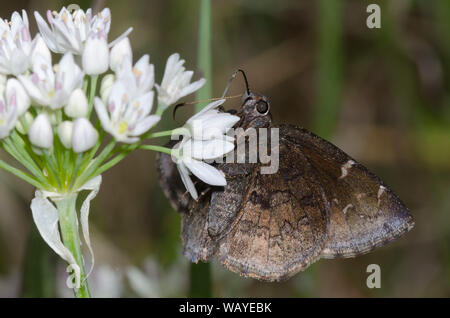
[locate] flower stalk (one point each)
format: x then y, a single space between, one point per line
68 222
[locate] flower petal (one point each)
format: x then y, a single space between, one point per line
102 114
46 33
46 218
187 181
208 107
93 186
144 125
206 172
207 149
123 35
15 91
120 51
193 87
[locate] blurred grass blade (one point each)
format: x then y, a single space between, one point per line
200 283
330 66
39 269
200 274
204 60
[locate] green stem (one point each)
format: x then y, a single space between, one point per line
161 134
68 222
11 148
20 174
330 68
86 175
160 109
200 280
168 151
93 88
52 168
116 159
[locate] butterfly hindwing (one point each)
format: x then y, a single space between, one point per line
364 213
210 219
281 226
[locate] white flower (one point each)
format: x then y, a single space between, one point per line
139 78
209 123
78 104
14 102
52 87
176 82
205 139
96 54
40 49
124 117
206 149
120 52
187 164
16 94
8 110
84 136
105 87
65 132
41 133
16 45
68 32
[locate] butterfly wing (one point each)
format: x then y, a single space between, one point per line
210 219
281 224
364 213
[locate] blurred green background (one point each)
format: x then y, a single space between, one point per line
382 95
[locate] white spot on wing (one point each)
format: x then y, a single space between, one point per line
349 206
381 190
345 167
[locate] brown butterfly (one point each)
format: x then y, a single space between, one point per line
320 204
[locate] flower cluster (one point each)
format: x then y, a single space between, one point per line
204 139
63 94
63 91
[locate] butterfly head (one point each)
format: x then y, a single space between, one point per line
255 111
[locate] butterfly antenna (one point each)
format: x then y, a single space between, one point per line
231 80
177 106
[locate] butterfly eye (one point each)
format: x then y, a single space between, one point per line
262 107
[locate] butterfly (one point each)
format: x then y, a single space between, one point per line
321 203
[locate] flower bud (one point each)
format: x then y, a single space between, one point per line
53 118
41 49
16 95
95 57
84 135
41 133
120 51
65 132
105 87
78 104
24 123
